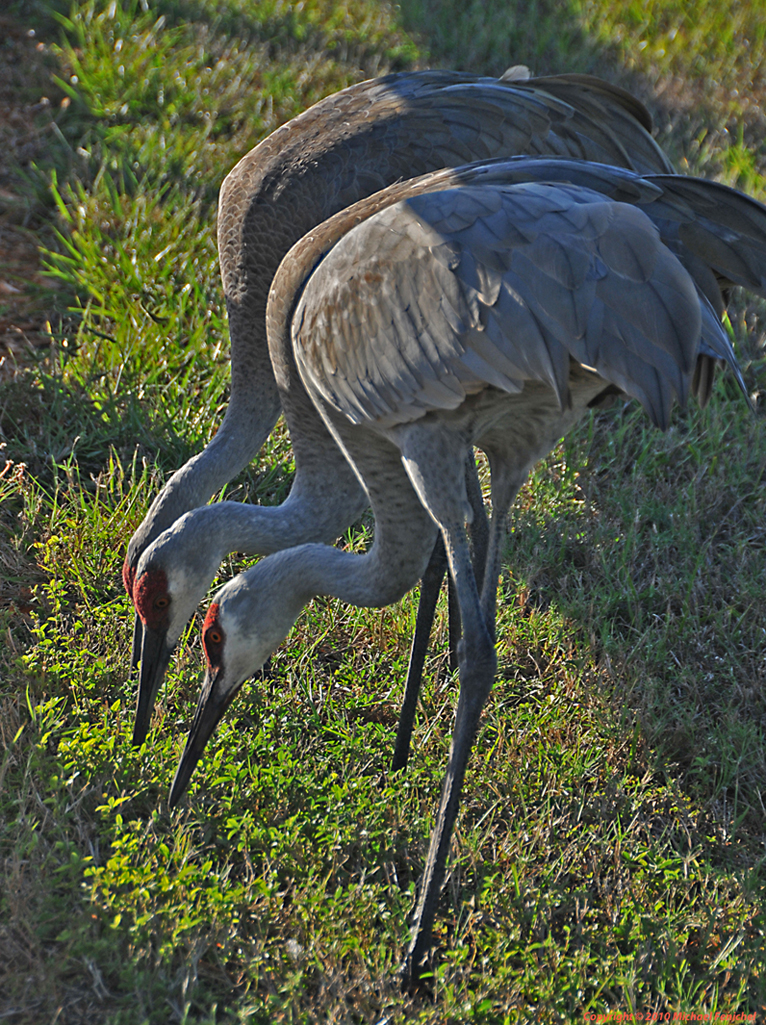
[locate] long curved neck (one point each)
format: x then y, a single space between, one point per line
268 202
260 607
391 567
236 443
226 527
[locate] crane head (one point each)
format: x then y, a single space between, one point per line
153 604
152 599
250 616
170 580
217 694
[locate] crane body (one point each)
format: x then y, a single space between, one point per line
342 149
473 308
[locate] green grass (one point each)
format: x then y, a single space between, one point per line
609 855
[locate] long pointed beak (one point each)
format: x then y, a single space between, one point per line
210 710
155 657
138 640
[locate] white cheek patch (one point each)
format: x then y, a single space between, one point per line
245 650
184 597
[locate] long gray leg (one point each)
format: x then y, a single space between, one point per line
454 625
507 478
478 530
477 672
429 593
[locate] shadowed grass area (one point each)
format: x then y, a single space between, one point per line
609 852
698 66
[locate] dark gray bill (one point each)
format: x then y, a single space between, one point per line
138 640
155 657
210 710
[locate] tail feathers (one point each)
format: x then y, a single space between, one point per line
715 349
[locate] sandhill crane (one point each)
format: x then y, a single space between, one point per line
175 571
342 149
490 313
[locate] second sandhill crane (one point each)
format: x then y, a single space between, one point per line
175 571
344 148
490 313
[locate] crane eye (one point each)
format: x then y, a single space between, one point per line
213 638
162 602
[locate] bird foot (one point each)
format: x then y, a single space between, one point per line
416 975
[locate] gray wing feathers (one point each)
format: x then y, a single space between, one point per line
446 293
714 348
719 234
601 105
723 228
